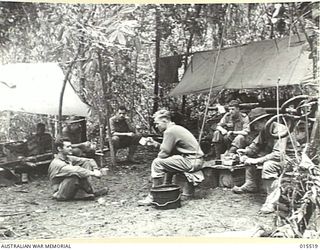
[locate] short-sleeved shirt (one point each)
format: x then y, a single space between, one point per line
238 123
120 125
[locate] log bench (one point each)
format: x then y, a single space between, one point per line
22 165
220 175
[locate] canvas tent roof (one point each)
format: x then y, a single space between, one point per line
35 88
255 65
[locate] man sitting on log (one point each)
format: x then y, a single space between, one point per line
231 131
70 175
179 153
266 151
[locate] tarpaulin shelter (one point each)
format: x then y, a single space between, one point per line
254 65
36 88
168 68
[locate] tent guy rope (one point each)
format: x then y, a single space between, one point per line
213 76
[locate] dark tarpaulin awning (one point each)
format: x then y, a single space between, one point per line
168 69
255 65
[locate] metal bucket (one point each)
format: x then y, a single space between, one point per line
166 196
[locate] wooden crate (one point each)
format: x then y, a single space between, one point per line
226 175
231 177
211 178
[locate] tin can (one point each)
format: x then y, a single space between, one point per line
104 171
24 178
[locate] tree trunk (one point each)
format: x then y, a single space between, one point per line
101 139
135 82
112 150
8 126
156 78
106 95
314 148
189 45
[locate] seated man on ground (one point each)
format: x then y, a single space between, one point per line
70 175
123 133
231 131
41 142
266 151
179 153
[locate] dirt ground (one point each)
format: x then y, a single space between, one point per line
28 212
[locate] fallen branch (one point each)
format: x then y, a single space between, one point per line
14 214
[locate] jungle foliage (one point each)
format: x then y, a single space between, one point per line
108 52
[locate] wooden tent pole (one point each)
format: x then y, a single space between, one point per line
63 89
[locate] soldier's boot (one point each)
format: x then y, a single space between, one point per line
218 150
250 185
168 178
233 150
149 199
273 194
132 150
188 190
211 154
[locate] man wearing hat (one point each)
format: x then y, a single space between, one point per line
179 152
266 151
231 131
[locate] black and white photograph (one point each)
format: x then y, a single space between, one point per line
159 121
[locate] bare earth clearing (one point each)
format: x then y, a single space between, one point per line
28 212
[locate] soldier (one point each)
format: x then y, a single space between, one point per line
266 151
70 175
231 131
179 153
41 142
123 133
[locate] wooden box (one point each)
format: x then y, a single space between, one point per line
211 178
231 177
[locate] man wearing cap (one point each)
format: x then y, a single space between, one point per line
179 152
123 133
266 151
231 131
